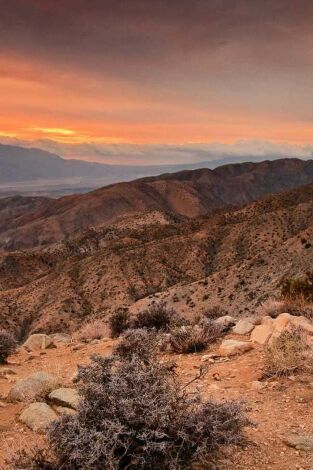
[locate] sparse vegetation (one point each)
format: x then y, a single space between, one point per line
287 354
298 288
135 414
194 338
138 342
296 307
94 329
214 312
7 345
119 322
157 316
272 308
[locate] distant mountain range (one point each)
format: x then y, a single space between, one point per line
33 171
26 222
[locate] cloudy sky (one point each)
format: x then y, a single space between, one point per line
121 81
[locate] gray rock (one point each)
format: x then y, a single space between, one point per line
225 322
61 338
243 327
33 386
38 341
37 416
300 442
67 397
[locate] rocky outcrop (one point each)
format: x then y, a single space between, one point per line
270 328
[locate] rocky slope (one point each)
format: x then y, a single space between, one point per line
235 258
187 194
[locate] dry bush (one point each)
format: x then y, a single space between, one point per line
194 338
287 354
157 316
214 312
272 308
138 342
297 307
7 345
135 415
119 322
94 329
300 287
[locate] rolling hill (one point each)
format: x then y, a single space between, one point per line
186 194
233 257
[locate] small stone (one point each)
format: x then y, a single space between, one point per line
6 371
300 442
213 387
257 385
37 416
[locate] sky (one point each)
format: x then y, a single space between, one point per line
150 81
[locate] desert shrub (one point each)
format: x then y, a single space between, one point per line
136 415
194 338
94 329
119 322
287 354
157 316
138 342
301 287
296 307
7 345
214 312
272 308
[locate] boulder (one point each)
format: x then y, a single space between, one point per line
38 341
243 327
300 442
225 322
262 333
67 397
37 416
270 329
231 347
62 338
32 386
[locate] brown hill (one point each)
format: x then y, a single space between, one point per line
187 193
234 257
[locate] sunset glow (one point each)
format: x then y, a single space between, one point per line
155 74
